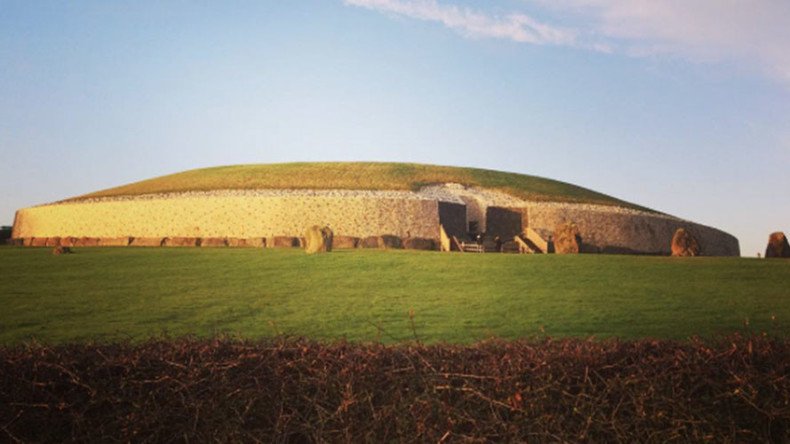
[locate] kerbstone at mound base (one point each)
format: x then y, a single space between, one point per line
180 242
146 242
345 242
214 242
113 242
283 242
391 241
416 243
68 241
88 242
372 242
253 242
384 242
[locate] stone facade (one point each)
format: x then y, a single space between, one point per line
231 216
268 215
615 230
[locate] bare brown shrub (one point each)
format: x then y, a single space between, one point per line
734 389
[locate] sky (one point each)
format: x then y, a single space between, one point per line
681 106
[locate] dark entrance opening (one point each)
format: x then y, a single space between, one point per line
504 222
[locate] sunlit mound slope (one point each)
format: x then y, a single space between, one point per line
360 176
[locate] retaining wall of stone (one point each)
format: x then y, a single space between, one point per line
230 217
614 230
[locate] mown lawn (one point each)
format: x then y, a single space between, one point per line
363 295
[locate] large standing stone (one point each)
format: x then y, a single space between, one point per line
318 240
777 245
567 239
684 244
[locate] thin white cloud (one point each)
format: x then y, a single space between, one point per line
515 26
754 34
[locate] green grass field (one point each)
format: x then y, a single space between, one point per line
362 295
360 176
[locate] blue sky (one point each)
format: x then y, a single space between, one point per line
680 106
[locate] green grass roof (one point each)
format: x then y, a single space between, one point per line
360 176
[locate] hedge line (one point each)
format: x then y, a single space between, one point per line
734 389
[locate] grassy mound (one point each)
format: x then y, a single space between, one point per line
359 176
730 390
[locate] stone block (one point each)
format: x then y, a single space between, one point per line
345 242
391 241
419 243
284 242
87 242
145 242
38 242
180 242
114 241
68 241
214 242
